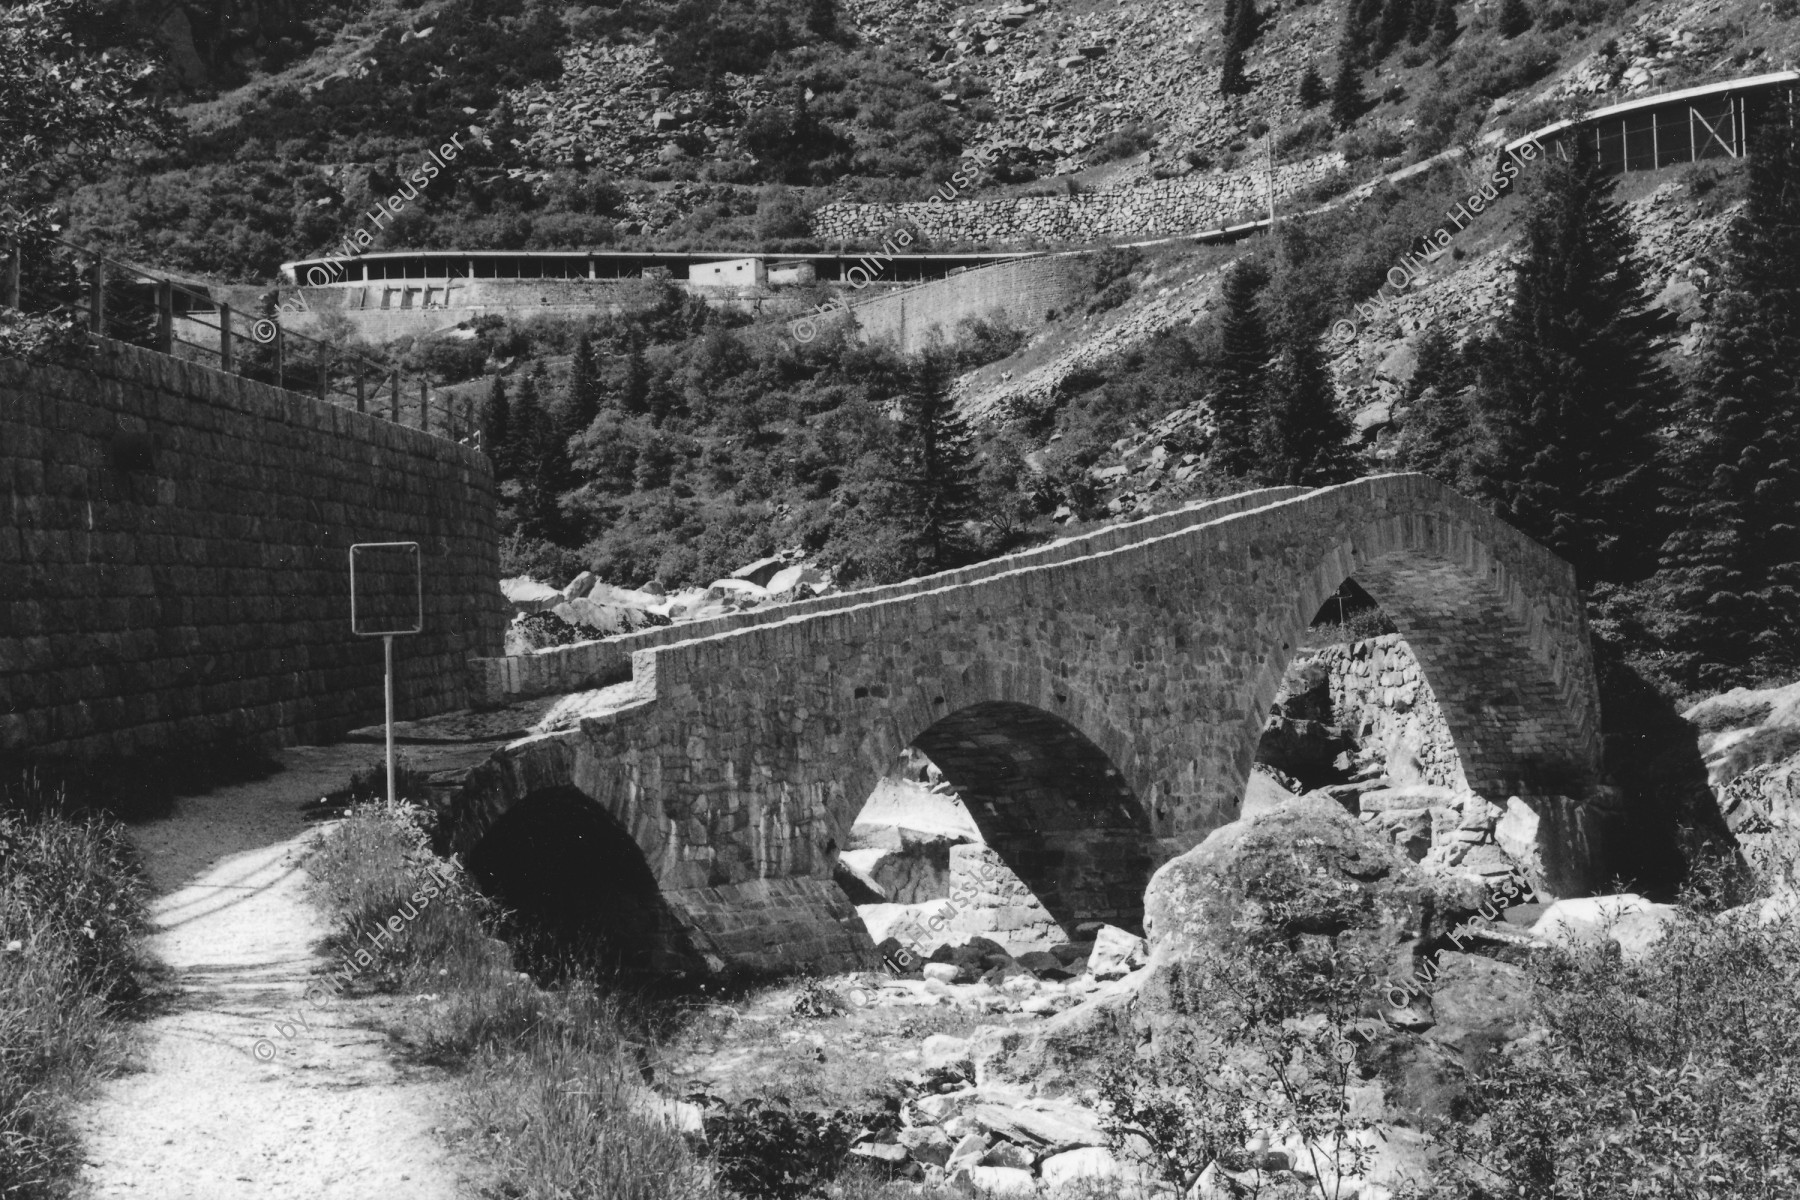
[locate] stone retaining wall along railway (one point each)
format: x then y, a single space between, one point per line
173 558
1163 208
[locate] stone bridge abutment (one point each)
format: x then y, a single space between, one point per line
1098 707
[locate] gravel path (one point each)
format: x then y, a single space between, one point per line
330 1115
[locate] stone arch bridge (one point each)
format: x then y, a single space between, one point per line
1097 702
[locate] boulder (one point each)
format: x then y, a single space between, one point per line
968 1151
1052 1128
580 586
1517 833
1479 1004
1116 953
1003 1181
927 1144
852 873
1263 792
1307 867
1629 921
1089 1162
760 572
1007 1154
528 595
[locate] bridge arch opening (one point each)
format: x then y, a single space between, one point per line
1354 713
1006 822
577 887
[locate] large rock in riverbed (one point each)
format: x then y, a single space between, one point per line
1304 867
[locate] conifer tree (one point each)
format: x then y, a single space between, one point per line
1419 27
1396 19
1443 26
1731 571
1312 88
635 395
1570 392
540 461
1242 21
1238 410
497 428
582 403
1347 102
932 486
1306 436
1231 72
1514 18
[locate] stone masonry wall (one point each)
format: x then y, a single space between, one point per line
1170 206
173 558
1021 293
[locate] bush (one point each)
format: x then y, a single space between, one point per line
1108 276
72 911
766 1150
1308 137
1261 1037
1679 1071
1122 143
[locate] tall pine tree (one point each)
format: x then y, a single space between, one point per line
497 429
1443 26
1731 572
1242 21
1347 101
582 402
1571 393
932 483
540 461
634 397
1419 27
1306 436
1312 88
1238 408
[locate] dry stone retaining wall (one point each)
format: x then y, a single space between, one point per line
1165 207
1380 696
745 756
173 558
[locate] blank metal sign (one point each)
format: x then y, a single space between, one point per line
387 589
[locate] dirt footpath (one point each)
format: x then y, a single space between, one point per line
330 1115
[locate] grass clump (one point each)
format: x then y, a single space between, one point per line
72 913
552 1081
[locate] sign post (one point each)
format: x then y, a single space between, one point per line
387 600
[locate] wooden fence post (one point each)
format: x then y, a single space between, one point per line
97 298
165 316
